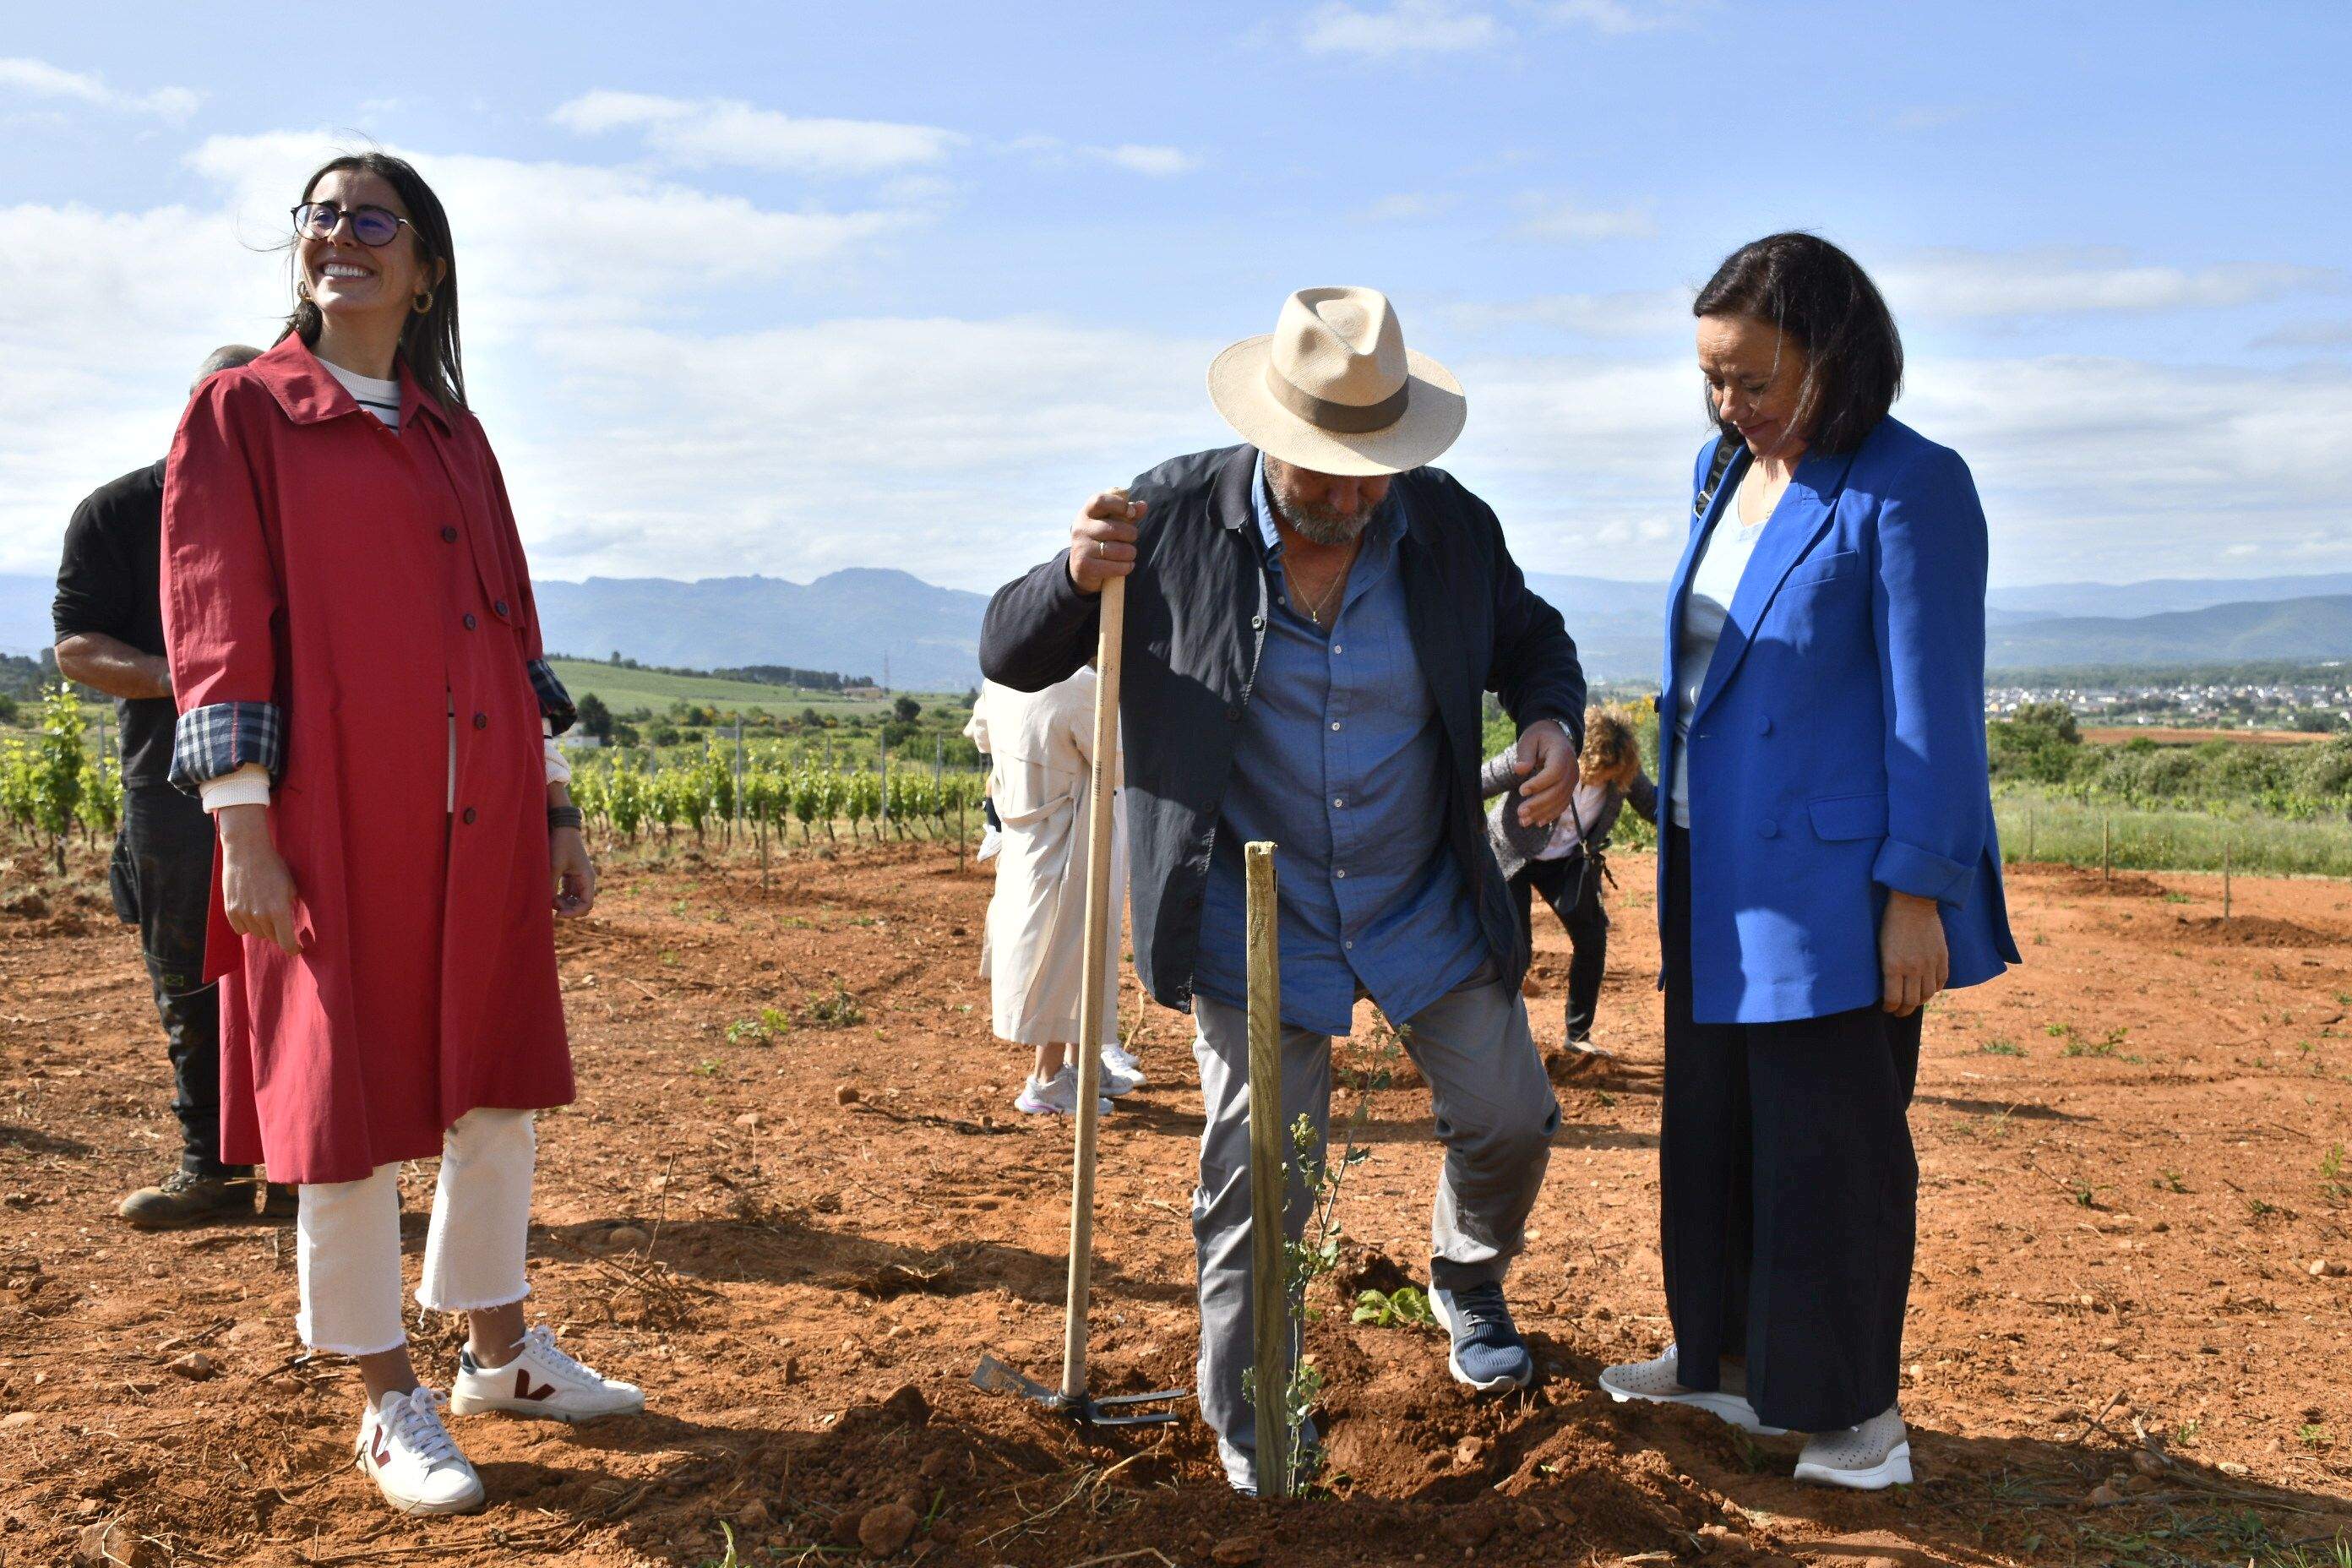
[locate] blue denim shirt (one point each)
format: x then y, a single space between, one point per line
1341 762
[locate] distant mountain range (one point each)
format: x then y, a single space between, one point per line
859 621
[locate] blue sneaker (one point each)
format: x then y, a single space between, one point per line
1488 1352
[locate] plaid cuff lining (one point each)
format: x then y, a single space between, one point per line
554 703
217 740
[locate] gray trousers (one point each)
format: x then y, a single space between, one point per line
1496 1116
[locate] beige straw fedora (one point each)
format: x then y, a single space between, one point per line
1334 389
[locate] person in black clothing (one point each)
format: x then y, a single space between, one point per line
1566 861
110 627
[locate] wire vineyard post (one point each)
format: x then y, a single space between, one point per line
1269 1179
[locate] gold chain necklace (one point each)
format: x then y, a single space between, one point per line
1322 604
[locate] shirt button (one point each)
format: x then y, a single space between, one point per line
468 816
1335 724
1339 799
470 620
1350 946
1257 622
1341 871
1338 647
500 607
481 721
448 533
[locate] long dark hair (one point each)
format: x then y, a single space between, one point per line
1822 298
428 340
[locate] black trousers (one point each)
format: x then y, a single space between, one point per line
161 880
1572 888
1788 1195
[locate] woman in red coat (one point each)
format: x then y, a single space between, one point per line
363 705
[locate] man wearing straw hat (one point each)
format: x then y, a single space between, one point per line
1312 619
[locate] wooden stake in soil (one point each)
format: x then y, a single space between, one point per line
1269 1176
2225 882
2107 849
1092 997
2029 833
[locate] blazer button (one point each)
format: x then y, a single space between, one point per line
1233 712
1764 723
1769 829
468 816
481 721
448 533
501 607
470 620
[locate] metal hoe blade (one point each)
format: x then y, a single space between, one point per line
996 1377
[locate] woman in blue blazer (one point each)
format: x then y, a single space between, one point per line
1829 864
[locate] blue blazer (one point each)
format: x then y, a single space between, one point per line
1838 746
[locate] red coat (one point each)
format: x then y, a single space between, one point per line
360 580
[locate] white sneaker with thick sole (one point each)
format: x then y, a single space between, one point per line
1869 1457
542 1383
412 1458
1055 1095
1116 1080
1658 1380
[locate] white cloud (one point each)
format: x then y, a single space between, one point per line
1160 162
2036 282
39 78
698 132
1619 17
1551 218
1406 28
1622 313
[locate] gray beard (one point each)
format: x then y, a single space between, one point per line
1321 525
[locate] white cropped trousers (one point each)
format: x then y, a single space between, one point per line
347 1247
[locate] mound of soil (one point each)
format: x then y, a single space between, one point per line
2253 931
2081 880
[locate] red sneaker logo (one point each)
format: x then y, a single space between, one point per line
523 1389
379 1450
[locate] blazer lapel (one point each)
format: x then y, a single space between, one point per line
1803 514
1436 630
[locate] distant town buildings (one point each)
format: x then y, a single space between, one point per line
2319 700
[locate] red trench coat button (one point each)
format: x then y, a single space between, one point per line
468 816
501 607
481 721
470 620
448 534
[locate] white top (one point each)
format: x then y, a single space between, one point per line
1714 578
250 786
381 398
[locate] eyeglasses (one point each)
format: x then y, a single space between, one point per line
372 227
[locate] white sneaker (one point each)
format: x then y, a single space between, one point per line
1055 1095
1658 1380
544 1382
412 1458
1869 1457
990 841
1117 1080
1129 1062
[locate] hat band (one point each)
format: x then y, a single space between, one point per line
1340 418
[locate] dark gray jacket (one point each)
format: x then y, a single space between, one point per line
1196 610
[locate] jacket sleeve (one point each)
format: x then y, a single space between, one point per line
555 705
1498 772
1927 609
222 602
1534 669
1039 628
1642 794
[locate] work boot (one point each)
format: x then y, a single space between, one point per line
185 1198
279 1201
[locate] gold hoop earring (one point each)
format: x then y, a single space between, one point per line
422 302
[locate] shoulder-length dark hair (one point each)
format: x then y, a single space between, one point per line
1822 298
429 341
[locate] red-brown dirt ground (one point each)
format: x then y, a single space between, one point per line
800 1240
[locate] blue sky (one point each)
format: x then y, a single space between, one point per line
791 288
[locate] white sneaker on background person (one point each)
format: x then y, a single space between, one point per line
1658 1380
1867 1459
542 1383
1055 1095
1117 1080
1128 1061
412 1458
990 841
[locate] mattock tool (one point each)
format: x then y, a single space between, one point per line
1072 1399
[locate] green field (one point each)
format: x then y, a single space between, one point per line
624 690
